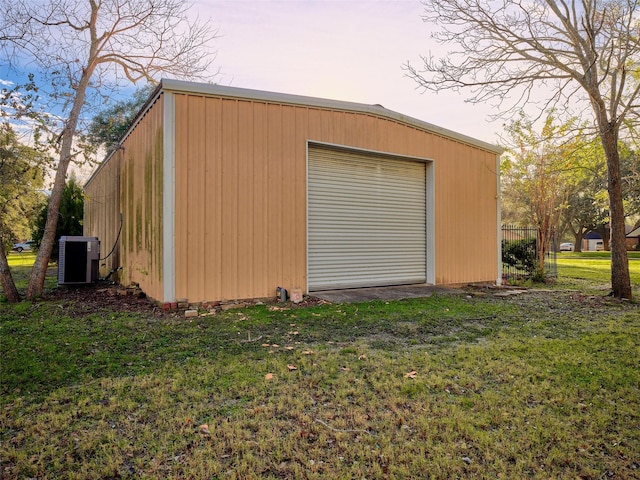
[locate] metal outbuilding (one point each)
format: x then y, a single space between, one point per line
220 193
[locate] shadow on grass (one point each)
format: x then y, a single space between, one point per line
48 346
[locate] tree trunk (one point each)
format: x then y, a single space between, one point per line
577 241
9 287
38 274
36 281
605 233
620 279
543 246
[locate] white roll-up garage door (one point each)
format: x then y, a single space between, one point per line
366 220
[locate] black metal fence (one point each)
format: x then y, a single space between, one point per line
520 247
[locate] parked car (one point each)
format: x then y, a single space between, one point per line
566 247
599 246
23 246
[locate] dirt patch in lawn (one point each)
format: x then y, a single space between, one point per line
96 298
86 299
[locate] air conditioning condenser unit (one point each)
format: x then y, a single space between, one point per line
78 260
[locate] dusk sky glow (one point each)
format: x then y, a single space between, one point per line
350 50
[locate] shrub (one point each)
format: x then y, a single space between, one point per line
520 254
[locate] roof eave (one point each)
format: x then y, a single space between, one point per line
181 86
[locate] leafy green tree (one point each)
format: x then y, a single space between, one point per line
70 215
109 126
21 181
535 171
21 184
586 211
586 207
630 161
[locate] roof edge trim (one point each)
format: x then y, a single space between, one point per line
181 86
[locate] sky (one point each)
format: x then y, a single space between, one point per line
351 50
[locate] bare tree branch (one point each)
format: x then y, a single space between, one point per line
586 52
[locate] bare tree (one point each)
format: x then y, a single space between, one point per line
582 53
90 45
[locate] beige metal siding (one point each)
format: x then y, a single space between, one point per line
237 234
102 213
366 219
466 207
141 201
241 194
130 183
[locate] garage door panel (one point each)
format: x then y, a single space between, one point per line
380 209
379 225
367 220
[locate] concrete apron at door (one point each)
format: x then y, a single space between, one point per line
398 292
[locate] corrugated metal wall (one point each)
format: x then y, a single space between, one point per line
102 212
240 196
130 183
240 226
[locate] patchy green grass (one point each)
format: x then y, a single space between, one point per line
592 270
46 347
591 255
542 385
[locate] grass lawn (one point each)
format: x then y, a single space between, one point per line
592 270
545 384
23 259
